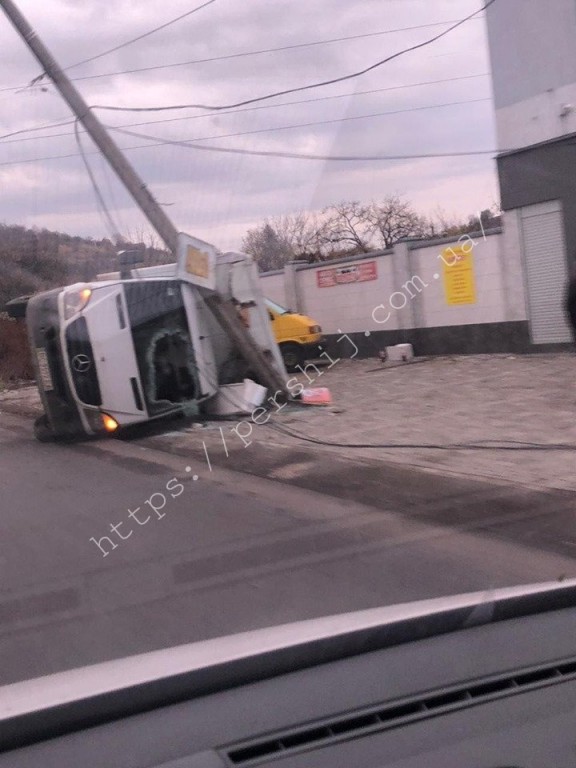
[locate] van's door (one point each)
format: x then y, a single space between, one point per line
110 335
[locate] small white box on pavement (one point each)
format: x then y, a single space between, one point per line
400 353
237 398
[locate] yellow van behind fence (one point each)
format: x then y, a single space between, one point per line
298 336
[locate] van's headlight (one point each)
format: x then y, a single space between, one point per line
109 422
75 301
314 329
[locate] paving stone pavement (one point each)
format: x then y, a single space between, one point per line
442 401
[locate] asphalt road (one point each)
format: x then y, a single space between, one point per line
192 554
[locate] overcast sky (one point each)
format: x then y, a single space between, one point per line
219 196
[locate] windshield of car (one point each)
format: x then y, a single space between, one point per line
174 466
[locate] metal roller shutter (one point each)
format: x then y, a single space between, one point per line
546 272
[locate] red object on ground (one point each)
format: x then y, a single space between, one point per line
316 396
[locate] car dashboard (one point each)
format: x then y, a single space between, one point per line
478 684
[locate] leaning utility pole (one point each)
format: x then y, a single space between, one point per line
222 310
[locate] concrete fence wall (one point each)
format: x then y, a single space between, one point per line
346 306
414 293
274 287
490 305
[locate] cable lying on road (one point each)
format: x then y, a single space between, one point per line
478 445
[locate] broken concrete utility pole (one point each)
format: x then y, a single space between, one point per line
139 191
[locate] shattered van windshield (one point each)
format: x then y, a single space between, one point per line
287 314
162 343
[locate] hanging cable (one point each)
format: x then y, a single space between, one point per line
295 155
127 42
39 128
158 142
332 81
284 127
323 122
107 216
244 54
477 445
46 126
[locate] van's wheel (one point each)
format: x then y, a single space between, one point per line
43 432
292 355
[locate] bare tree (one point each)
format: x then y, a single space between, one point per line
351 227
394 219
486 219
304 232
348 224
153 242
444 225
267 247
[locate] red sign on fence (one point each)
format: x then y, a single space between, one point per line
353 273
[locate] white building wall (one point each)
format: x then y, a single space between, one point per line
533 55
542 117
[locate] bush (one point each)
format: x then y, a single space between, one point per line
15 358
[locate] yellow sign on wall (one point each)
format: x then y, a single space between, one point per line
458 267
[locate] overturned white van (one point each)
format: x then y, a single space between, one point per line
117 352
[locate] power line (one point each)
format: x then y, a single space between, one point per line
106 172
311 124
28 160
298 155
107 216
158 142
475 445
38 128
188 143
265 130
133 40
261 107
310 101
332 81
243 54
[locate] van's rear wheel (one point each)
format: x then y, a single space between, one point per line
292 355
43 432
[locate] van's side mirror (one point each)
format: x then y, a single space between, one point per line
16 308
